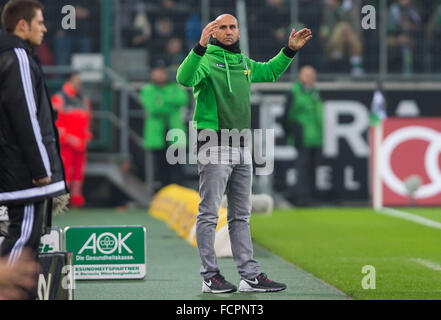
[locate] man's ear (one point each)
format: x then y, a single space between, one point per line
22 26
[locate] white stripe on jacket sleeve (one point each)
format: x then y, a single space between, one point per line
30 101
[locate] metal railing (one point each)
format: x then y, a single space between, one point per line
128 141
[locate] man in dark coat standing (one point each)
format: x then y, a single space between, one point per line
31 170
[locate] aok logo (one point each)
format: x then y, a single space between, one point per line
44 248
106 243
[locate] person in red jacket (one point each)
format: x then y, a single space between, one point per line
74 117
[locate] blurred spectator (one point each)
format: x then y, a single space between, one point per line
193 31
142 30
147 24
163 100
168 4
269 27
433 36
176 5
177 11
303 124
45 54
404 23
310 16
370 39
218 7
163 27
136 29
174 54
341 33
163 30
180 6
79 40
74 117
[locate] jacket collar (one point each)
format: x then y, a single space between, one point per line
234 48
10 41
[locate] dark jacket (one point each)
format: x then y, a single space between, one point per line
29 146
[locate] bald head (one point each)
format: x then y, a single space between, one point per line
227 16
307 76
228 29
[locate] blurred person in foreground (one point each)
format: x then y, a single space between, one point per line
163 101
18 278
74 118
31 169
303 123
221 77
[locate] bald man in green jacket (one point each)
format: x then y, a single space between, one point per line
221 77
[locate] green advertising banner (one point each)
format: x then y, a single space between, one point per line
113 252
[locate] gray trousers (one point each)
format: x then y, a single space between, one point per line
235 179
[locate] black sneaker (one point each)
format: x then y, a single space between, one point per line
217 284
260 284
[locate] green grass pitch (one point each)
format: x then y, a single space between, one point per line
334 244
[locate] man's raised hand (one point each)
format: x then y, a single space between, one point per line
298 39
208 31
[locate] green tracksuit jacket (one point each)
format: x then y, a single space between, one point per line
221 82
305 108
163 105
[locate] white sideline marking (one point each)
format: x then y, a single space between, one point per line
427 264
411 217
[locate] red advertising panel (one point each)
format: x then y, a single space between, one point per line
410 159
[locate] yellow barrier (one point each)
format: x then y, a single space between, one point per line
178 207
